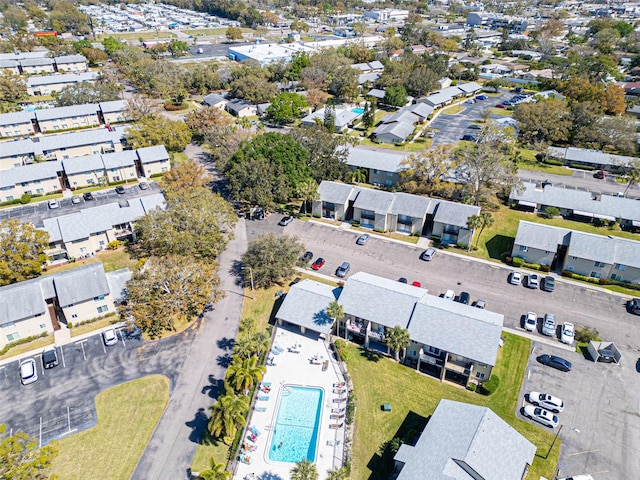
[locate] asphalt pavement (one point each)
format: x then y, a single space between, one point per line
581 180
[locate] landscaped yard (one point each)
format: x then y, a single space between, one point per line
527 161
111 259
453 110
378 380
416 146
127 417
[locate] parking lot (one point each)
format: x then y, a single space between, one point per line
600 426
61 401
450 128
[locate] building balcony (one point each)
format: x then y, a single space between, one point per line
377 335
463 368
356 327
430 360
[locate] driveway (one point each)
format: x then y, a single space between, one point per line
600 423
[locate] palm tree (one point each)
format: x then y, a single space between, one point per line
243 373
304 470
633 176
216 471
338 474
308 191
485 219
359 175
335 311
227 414
398 339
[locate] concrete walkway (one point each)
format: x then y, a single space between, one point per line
174 442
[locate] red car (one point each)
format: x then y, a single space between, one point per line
318 264
599 174
416 284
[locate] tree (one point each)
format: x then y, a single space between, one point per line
139 106
244 373
336 311
254 87
344 84
286 107
299 61
177 48
94 56
329 121
299 26
186 176
159 130
196 223
65 17
613 100
227 415
304 470
170 292
21 459
359 175
428 172
95 92
617 132
233 34
13 89
496 83
544 121
272 259
22 251
340 473
396 96
207 119
14 18
398 339
308 192
632 175
112 45
368 117
249 341
216 471
327 152
485 219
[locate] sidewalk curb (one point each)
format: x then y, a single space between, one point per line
539 339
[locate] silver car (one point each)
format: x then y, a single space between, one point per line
546 401
541 415
549 325
110 337
28 371
428 254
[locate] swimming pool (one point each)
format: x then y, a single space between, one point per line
358 110
295 432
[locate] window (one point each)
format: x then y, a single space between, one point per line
101 243
9 325
388 183
595 274
389 174
570 268
479 375
99 298
523 248
620 267
75 315
12 337
599 264
616 277
574 258
433 350
102 309
42 325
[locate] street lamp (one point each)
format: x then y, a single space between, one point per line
251 277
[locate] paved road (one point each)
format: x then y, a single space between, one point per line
581 180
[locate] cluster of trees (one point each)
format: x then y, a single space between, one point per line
272 259
21 459
180 245
155 129
22 251
60 15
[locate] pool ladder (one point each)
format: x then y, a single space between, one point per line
286 391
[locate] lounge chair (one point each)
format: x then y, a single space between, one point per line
260 409
253 437
339 400
335 426
245 459
337 410
336 416
333 443
339 390
254 430
263 398
339 385
266 384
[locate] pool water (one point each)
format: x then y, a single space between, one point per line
295 432
358 110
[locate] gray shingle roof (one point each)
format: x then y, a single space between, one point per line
88 163
462 434
157 153
16 118
20 301
375 159
335 192
126 158
469 87
413 206
374 200
421 109
401 116
30 173
36 62
214 99
541 237
450 213
379 299
400 130
118 282
66 112
305 305
457 328
81 284
376 65
584 155
368 77
66 59
377 93
59 78
113 106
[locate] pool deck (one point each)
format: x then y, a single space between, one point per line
296 369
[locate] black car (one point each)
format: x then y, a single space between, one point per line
463 298
50 357
307 256
548 284
633 306
88 196
469 138
285 221
555 362
402 280
120 190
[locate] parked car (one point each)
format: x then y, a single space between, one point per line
541 415
449 295
481 97
481 304
633 306
549 325
416 284
53 204
307 256
50 357
567 333
474 126
110 337
547 183
342 270
599 175
318 264
469 138
28 371
428 254
285 221
402 280
530 321
548 284
555 362
501 105
120 190
143 186
471 101
76 199
515 278
362 239
463 298
533 280
88 196
546 401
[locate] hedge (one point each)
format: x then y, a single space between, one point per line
582 167
558 163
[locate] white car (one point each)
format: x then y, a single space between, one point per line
530 322
28 371
567 333
546 401
449 295
516 278
53 204
110 337
533 280
541 415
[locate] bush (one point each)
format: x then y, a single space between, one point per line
545 268
489 387
378 230
114 244
351 409
551 212
577 166
355 223
550 161
341 349
517 262
26 198
172 107
472 387
587 334
22 341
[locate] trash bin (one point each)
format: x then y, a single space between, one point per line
386 407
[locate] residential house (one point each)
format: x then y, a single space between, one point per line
241 108
63 118
382 168
386 14
115 111
578 204
371 208
305 306
395 132
216 100
399 126
376 93
596 256
84 171
409 213
87 231
470 88
17 124
634 110
334 200
37 66
343 118
154 160
120 166
47 84
441 98
10 66
36 179
593 158
38 306
418 49
465 442
450 222
368 78
71 63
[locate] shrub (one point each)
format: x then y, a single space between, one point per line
517 262
172 107
351 409
114 244
550 161
317 215
551 212
532 266
378 230
472 387
489 387
587 334
341 349
26 198
582 167
355 223
22 341
545 268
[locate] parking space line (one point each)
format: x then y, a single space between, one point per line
121 337
84 355
103 347
62 355
582 453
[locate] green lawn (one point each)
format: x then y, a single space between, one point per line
127 417
416 146
527 161
135 36
414 397
111 260
453 110
27 347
